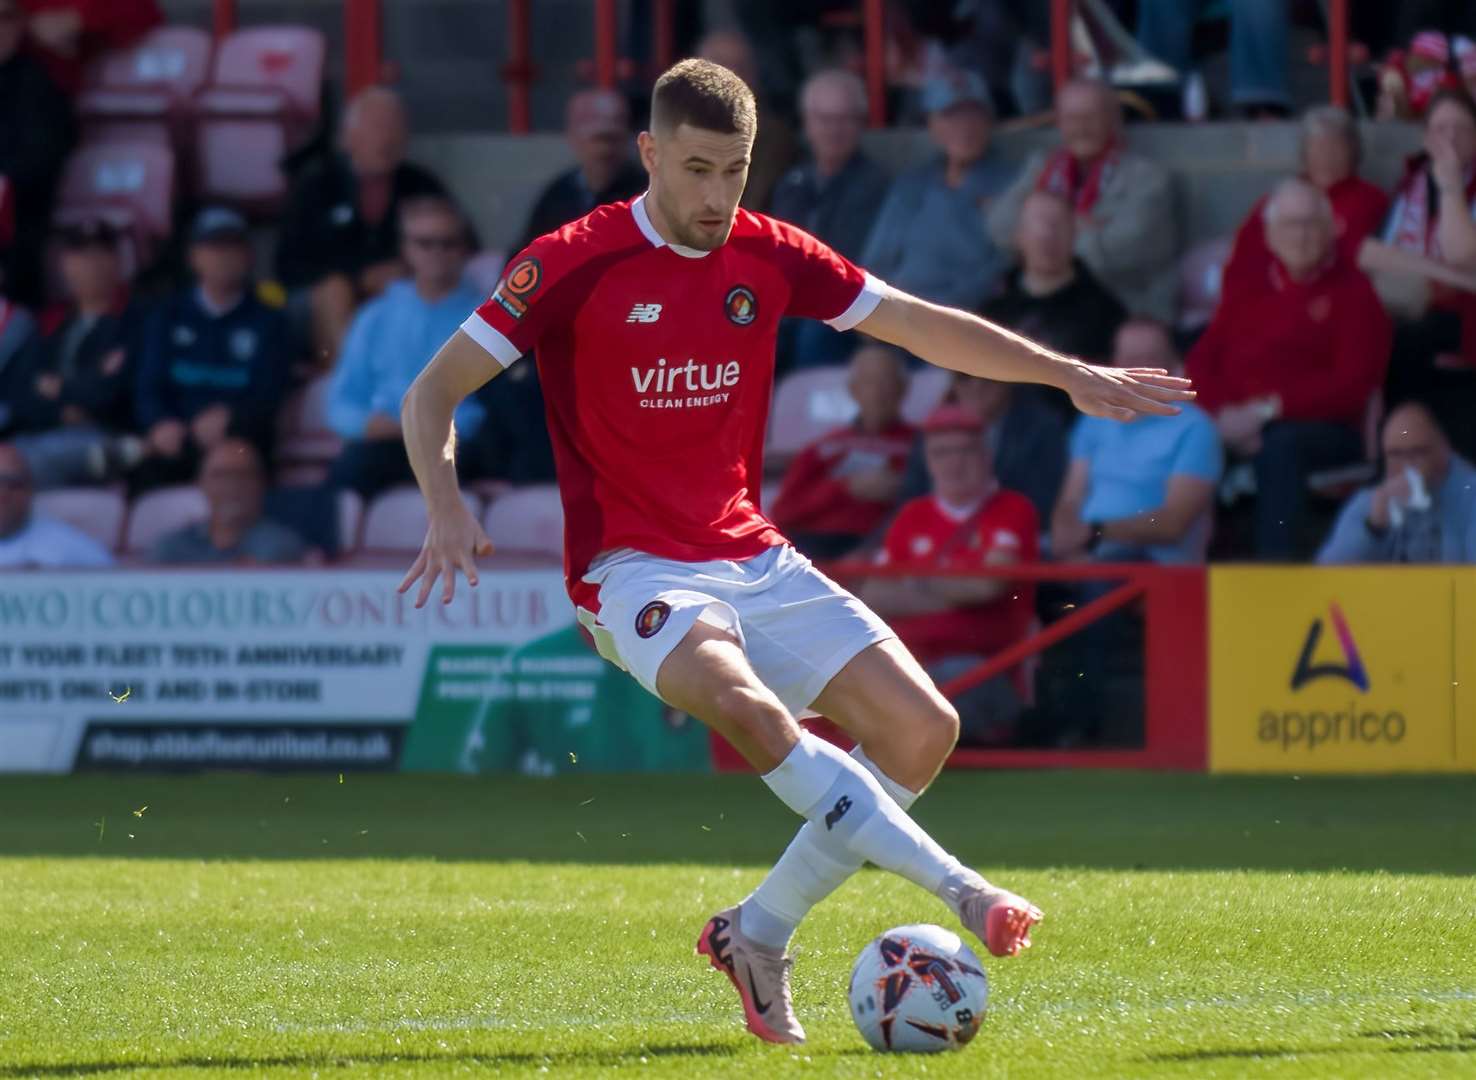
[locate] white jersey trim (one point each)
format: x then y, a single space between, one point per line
643 222
873 289
491 339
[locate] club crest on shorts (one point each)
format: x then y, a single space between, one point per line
741 305
652 618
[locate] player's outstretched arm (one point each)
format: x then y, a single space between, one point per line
962 342
453 537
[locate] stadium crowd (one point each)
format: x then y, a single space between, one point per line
1339 367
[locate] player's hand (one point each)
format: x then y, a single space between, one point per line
452 542
1126 393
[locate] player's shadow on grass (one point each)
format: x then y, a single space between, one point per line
588 1058
1424 1040
1118 821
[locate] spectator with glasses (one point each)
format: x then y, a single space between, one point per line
391 339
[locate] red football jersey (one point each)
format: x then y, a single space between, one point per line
926 532
657 365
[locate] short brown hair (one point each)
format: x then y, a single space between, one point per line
1457 96
704 95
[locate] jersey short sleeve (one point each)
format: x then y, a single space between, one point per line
824 284
513 318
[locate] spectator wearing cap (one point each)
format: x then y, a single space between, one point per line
67 34
1025 435
842 486
834 195
69 396
214 359
929 238
969 521
1288 372
29 540
236 529
1050 295
775 146
1423 511
1126 230
340 240
597 126
392 338
1142 491
36 133
1330 151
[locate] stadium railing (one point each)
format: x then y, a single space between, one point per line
1173 601
364 48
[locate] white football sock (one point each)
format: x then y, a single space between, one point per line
846 803
811 868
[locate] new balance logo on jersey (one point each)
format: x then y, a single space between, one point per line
678 386
837 812
646 313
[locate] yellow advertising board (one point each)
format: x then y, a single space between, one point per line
1367 669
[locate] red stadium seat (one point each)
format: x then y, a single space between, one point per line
99 512
303 434
161 512
527 520
396 520
144 93
807 404
350 519
130 185
262 103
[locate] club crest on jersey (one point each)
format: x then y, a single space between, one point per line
517 288
652 618
741 305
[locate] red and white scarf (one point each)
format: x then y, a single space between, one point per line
1081 186
1413 220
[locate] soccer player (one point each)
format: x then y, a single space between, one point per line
653 322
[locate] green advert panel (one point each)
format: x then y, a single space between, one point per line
547 707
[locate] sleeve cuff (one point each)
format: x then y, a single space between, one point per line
489 338
872 291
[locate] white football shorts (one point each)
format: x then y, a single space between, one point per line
797 627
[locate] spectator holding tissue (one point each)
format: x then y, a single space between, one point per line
1425 509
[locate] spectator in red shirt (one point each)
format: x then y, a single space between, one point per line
951 624
1288 372
1331 150
842 486
66 34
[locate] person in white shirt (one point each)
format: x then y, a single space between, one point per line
28 540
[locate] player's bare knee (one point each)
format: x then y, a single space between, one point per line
753 715
937 731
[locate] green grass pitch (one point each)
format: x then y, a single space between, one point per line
434 926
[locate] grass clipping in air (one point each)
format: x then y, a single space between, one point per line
431 926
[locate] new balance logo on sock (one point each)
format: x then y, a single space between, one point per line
837 811
644 313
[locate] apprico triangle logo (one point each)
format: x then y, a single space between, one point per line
1351 670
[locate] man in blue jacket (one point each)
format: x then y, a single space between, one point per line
214 360
1424 511
392 338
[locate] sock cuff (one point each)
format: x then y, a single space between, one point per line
902 796
807 774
